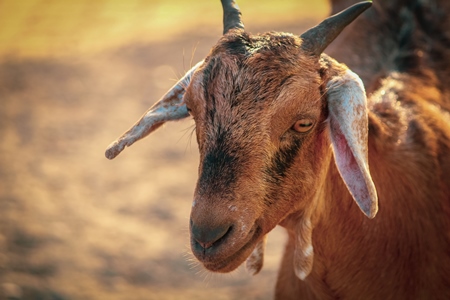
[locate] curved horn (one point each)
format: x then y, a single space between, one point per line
170 107
231 16
316 39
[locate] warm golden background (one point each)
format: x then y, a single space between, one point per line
74 75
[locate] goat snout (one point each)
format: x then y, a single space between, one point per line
221 241
209 235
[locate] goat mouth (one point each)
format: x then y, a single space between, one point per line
223 263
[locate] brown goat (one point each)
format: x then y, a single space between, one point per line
286 137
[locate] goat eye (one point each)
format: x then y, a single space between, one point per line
303 125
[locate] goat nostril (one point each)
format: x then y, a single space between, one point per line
207 236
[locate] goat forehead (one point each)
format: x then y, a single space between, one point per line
247 70
242 44
245 81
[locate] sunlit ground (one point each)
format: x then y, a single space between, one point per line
74 75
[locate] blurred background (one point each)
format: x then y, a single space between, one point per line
74 75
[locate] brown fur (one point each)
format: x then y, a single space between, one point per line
255 172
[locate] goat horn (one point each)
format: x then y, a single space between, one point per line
316 39
231 16
170 107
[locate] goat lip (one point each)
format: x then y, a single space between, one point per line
229 263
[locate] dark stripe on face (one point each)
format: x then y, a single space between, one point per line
210 78
281 162
220 166
210 72
207 77
284 158
211 108
285 79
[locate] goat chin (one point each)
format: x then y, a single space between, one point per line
228 254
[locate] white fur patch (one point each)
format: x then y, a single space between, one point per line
232 208
301 274
255 261
303 250
308 251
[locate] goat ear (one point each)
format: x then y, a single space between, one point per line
170 107
348 123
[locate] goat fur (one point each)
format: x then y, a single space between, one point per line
401 51
404 252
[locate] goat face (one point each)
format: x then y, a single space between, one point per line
259 114
266 109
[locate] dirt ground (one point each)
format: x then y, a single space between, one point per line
74 225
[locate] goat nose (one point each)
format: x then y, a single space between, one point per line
208 235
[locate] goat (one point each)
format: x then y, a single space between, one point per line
286 136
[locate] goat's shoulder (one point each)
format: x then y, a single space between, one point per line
409 111
409 142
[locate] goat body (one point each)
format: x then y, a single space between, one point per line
258 171
404 252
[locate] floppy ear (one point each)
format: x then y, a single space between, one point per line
170 107
348 123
